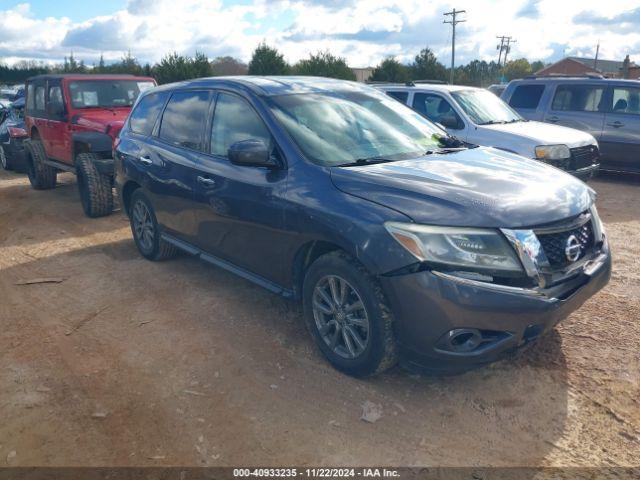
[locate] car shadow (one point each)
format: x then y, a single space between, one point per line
251 350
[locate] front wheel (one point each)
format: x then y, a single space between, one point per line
348 316
96 192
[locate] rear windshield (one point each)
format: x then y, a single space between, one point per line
106 93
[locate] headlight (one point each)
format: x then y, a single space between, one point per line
552 152
598 228
475 249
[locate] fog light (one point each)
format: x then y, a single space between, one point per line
461 339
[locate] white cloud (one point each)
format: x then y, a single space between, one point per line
362 31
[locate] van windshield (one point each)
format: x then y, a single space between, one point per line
338 128
484 108
106 93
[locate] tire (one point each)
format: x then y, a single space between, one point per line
41 176
373 354
4 160
96 191
152 247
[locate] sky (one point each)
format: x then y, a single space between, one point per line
364 32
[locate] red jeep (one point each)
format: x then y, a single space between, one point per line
72 121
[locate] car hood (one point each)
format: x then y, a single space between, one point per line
539 133
106 121
480 187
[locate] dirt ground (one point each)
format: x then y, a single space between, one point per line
129 362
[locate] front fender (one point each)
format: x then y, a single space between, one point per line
94 142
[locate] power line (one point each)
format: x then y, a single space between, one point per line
454 21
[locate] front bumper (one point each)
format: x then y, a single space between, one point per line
427 305
586 173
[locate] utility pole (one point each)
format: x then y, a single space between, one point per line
454 21
595 61
505 47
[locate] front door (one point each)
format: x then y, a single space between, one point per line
620 141
57 126
239 215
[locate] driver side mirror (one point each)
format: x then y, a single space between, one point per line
251 153
450 121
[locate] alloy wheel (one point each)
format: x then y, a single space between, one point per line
143 226
340 316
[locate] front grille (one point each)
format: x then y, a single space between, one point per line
582 157
554 244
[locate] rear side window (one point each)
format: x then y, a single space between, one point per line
144 116
402 97
234 121
626 100
577 98
526 96
39 98
184 119
31 102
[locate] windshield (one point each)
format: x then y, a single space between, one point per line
483 107
343 127
106 93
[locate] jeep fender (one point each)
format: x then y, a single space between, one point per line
98 143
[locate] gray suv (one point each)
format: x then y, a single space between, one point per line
608 109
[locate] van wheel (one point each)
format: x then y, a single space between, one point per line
96 193
6 164
348 316
146 233
41 176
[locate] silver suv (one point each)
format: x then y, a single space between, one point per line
608 109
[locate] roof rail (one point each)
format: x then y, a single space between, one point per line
595 76
429 81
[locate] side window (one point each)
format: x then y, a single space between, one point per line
400 96
626 100
39 98
437 109
577 98
184 119
144 116
526 96
56 105
31 101
234 121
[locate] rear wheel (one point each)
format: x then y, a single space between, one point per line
348 316
41 175
144 227
96 192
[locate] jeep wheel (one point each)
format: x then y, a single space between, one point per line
144 227
41 176
6 164
347 315
96 192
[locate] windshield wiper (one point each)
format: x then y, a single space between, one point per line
441 151
493 122
365 161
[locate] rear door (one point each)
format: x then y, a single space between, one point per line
620 141
239 212
170 159
36 107
578 105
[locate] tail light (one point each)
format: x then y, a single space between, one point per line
17 132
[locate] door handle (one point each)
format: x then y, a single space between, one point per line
553 119
616 124
206 182
145 160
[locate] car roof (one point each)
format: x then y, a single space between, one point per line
440 87
85 76
272 85
577 79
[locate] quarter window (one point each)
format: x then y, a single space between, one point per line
626 100
30 97
234 121
144 116
526 96
184 119
577 98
